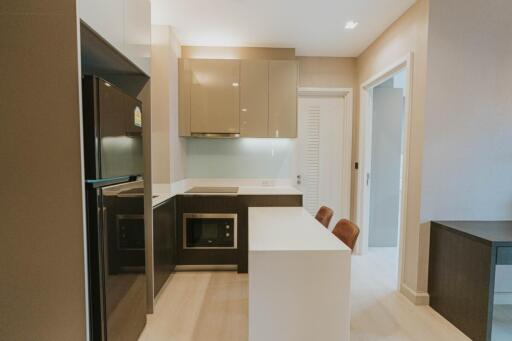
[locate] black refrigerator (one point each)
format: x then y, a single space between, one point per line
114 164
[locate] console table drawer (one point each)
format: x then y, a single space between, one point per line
504 256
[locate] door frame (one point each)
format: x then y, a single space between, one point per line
365 151
347 95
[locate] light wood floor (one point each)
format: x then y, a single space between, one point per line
212 306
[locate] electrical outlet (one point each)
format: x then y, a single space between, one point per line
268 183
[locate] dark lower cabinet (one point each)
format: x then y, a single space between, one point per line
236 204
164 242
207 204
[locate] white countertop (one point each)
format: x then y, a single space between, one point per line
289 229
298 271
162 192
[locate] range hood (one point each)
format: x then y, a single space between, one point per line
216 135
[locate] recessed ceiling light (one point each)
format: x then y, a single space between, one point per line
235 84
351 24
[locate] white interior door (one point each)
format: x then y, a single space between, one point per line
320 154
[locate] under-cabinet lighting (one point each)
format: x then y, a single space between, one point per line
351 24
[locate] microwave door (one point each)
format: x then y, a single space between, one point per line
210 230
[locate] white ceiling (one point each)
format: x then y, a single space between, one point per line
313 27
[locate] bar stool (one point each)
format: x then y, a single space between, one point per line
347 232
324 216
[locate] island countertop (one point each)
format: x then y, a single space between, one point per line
291 229
299 278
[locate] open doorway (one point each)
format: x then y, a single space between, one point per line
383 149
386 161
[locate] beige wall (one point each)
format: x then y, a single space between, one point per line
330 72
206 52
42 285
407 34
161 105
168 149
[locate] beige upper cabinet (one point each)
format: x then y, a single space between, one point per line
214 96
184 79
254 98
283 98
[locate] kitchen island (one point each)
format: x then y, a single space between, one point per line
299 278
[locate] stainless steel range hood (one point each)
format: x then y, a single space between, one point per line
216 135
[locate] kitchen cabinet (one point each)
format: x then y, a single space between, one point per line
239 204
184 81
214 96
125 24
164 242
283 98
254 98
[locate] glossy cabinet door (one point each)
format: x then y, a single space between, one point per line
164 243
184 80
214 96
283 98
254 98
125 24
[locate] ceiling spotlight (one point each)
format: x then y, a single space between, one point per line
350 25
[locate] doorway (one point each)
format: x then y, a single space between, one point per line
324 149
383 157
386 161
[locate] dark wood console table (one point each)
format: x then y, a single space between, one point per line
462 263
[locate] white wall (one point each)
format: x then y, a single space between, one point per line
178 145
168 149
467 166
240 158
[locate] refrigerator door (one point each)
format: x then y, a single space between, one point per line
120 132
117 256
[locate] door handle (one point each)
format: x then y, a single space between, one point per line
367 179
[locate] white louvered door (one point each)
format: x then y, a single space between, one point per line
320 148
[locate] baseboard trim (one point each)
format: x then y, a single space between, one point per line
418 298
207 267
502 298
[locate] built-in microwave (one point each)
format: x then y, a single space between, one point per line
209 231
